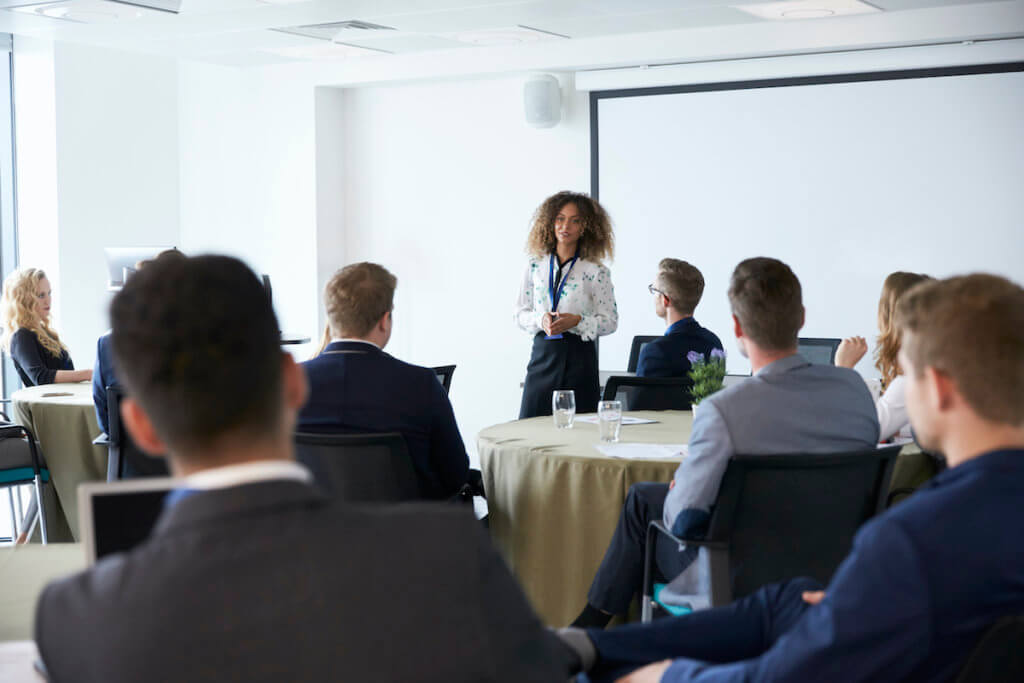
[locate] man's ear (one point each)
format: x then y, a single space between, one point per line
140 428
293 380
940 389
737 328
803 317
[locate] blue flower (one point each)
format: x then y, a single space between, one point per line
695 357
718 354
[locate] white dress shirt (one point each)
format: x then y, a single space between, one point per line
588 293
247 473
892 410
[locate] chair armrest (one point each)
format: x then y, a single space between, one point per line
101 440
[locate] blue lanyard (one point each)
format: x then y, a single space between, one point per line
556 294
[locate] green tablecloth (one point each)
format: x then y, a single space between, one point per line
554 500
24 572
64 421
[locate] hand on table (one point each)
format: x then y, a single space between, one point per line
563 322
850 351
649 674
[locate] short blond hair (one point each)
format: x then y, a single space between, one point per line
682 283
357 297
970 328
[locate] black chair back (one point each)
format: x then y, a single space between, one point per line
125 460
795 515
818 350
636 347
359 468
444 376
998 656
649 393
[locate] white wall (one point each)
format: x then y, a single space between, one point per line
97 147
441 180
248 181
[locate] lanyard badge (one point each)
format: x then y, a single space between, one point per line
556 292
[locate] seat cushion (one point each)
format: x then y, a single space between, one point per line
15 453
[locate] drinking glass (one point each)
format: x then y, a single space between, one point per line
563 407
609 420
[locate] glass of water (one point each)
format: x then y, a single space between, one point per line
563 407
609 420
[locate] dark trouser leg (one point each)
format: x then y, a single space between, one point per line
744 629
621 572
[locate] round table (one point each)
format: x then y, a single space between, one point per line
64 421
554 500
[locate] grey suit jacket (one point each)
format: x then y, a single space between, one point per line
271 582
789 406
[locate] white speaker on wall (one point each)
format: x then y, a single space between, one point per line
542 101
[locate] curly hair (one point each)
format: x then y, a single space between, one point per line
19 310
597 241
890 338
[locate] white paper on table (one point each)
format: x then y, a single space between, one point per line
643 451
626 420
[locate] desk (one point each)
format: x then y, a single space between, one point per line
554 500
65 426
24 572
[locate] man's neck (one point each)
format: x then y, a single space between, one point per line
227 453
975 437
565 251
672 316
760 358
369 339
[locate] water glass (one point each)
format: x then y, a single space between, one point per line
609 420
563 407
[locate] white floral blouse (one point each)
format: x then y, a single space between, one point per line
588 293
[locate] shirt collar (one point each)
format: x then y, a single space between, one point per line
783 365
678 325
247 473
354 341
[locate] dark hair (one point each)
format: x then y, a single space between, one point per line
358 296
196 343
766 298
682 283
970 328
597 242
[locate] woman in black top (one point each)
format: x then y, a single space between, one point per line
40 357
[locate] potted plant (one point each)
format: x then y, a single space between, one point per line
707 375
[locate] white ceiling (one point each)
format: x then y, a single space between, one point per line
247 32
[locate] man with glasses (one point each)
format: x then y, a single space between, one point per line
677 290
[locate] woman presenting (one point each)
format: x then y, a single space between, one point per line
566 300
40 357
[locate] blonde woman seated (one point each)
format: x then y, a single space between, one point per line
891 404
39 355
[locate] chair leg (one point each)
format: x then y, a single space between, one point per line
42 512
14 517
17 493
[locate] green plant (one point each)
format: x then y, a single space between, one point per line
707 374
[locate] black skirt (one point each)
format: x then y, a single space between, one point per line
566 363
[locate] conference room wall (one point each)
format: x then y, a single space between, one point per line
441 180
97 148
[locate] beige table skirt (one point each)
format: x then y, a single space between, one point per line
554 500
64 421
24 572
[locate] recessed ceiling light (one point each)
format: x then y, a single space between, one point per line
807 9
808 13
505 36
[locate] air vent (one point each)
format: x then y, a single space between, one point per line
329 31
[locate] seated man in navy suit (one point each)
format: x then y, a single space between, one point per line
925 580
677 290
354 387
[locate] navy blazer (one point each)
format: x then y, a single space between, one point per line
666 357
36 365
102 377
354 387
921 585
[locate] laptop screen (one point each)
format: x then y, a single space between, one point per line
117 517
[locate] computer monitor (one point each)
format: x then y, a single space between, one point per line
121 262
117 516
